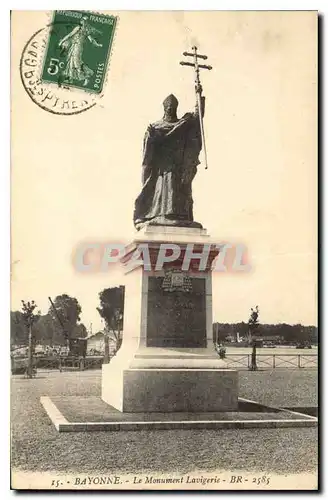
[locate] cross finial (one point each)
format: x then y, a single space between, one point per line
198 87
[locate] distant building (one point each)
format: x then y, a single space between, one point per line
96 342
273 338
269 340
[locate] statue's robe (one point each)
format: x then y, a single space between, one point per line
170 159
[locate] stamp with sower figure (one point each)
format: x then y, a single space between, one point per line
64 65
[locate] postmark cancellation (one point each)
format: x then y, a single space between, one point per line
64 65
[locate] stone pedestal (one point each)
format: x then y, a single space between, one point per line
167 361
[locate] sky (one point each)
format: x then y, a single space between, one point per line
75 178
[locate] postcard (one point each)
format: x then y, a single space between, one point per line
164 171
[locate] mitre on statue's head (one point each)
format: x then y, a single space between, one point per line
170 101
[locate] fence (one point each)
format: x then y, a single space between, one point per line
272 361
50 363
240 361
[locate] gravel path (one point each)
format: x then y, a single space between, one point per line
36 445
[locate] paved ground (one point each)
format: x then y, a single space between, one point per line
282 388
36 445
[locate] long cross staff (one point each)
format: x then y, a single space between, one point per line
198 89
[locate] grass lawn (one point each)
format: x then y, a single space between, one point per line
37 446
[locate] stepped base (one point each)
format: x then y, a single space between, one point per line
170 390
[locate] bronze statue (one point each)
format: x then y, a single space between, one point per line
170 159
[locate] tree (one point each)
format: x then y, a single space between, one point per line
17 328
65 317
44 330
111 310
253 322
80 331
30 318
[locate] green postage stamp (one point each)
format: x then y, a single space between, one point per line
78 49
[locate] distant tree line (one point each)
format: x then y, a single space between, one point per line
289 333
62 321
57 326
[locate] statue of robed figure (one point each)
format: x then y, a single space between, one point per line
170 157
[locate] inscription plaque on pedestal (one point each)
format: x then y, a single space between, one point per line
176 313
